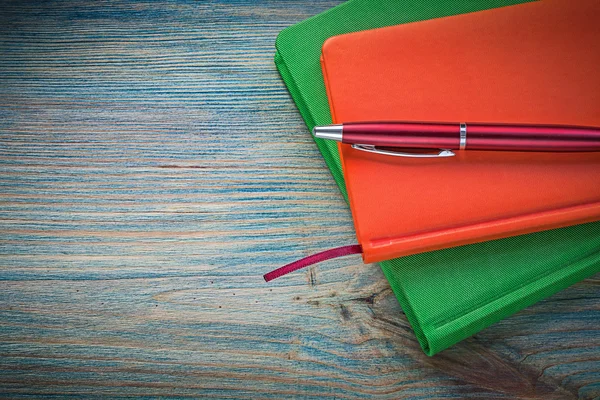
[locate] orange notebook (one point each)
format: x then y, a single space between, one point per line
535 63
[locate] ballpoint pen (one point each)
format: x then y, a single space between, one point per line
378 137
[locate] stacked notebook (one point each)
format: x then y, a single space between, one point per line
445 69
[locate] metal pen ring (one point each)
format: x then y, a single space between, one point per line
463 136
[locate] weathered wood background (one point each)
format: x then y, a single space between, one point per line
153 167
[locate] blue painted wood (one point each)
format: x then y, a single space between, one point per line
153 167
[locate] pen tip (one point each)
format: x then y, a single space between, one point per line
331 132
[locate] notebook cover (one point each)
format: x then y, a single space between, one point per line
450 294
530 63
298 49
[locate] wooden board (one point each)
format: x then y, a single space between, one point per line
152 168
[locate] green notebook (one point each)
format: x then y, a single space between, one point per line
447 295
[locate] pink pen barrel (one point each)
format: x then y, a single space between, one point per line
532 138
476 136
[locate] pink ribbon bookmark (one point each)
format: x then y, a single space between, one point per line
313 259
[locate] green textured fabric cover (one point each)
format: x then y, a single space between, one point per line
447 295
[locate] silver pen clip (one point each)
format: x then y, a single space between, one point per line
372 149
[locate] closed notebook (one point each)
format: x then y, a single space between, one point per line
529 63
448 294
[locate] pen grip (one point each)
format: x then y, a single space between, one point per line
417 135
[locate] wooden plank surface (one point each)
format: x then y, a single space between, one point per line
153 167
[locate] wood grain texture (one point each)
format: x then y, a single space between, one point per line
153 167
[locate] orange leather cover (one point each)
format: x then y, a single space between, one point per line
529 63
